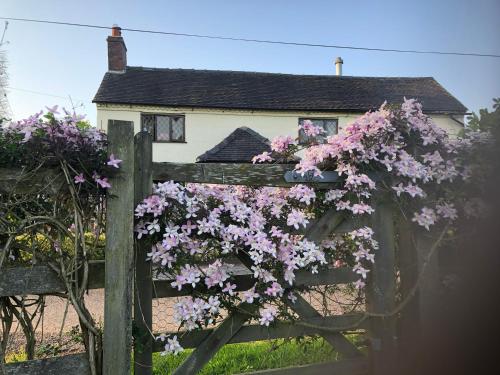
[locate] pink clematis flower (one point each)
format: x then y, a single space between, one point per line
296 218
267 315
79 179
425 218
261 158
103 182
282 143
229 289
249 296
53 109
113 161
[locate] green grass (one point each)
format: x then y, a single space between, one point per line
237 358
247 357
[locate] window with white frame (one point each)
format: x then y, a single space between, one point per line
329 126
164 128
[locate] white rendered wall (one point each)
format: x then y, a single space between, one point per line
205 127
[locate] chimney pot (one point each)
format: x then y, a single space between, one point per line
117 51
116 30
338 65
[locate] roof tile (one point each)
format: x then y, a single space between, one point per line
238 147
269 91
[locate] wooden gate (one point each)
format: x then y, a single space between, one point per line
207 342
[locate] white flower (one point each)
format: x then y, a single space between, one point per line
359 284
425 218
249 296
153 226
267 315
172 346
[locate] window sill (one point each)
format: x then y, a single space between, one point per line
174 142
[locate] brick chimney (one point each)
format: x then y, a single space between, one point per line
117 52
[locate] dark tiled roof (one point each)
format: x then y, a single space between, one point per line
238 147
269 91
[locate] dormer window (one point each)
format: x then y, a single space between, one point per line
164 128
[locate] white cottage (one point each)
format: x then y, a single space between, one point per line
190 112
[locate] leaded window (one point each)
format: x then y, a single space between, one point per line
165 128
329 126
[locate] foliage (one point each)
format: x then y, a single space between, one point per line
40 245
50 140
59 222
195 230
486 121
77 155
19 356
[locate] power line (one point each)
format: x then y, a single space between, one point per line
218 37
46 94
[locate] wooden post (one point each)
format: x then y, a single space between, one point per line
408 323
428 284
380 294
420 289
119 252
143 296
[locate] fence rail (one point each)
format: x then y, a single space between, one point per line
257 332
42 279
234 174
24 182
244 281
120 267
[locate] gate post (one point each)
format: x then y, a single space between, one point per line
119 252
408 322
420 290
143 295
380 296
429 285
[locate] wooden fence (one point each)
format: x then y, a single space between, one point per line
130 288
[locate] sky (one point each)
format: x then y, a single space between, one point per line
62 62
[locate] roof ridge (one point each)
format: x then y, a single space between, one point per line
250 72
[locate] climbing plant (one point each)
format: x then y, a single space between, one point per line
396 153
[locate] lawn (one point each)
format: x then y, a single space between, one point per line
237 358
247 357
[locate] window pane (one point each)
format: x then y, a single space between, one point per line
177 128
330 127
162 128
303 138
318 123
148 123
